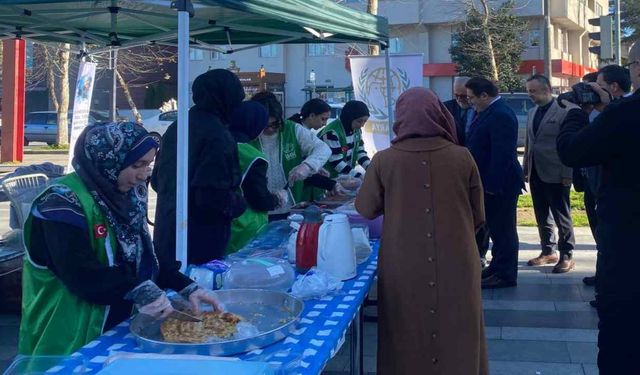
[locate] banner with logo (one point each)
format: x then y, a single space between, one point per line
369 77
81 104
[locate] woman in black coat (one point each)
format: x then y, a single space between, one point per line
214 171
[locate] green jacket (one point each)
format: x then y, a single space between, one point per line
55 321
290 157
338 129
247 226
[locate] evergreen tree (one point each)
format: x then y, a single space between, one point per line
489 44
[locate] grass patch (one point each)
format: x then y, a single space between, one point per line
50 147
527 218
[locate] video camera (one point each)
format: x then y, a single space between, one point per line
580 93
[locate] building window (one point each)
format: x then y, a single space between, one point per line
269 51
395 45
321 49
196 54
556 40
534 38
565 42
598 10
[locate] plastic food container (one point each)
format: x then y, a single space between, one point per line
260 273
46 364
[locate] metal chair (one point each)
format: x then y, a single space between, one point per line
21 191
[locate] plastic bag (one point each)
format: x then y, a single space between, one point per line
361 244
315 284
260 273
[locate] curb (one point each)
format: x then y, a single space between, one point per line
46 152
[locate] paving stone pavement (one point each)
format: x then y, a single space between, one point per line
544 326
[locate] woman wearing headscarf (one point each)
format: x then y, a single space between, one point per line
247 123
294 152
429 191
214 171
344 137
89 255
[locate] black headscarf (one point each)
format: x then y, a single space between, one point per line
219 92
101 153
352 110
248 121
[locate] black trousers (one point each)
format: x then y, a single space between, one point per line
482 240
500 212
590 207
551 204
617 340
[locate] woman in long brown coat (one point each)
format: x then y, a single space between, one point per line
429 190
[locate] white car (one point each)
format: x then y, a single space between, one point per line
158 124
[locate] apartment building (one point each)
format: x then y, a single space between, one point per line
426 27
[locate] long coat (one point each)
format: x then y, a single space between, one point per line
430 305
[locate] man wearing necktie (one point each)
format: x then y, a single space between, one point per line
464 115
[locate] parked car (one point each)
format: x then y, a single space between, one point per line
42 126
521 104
158 124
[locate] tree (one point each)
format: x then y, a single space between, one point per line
630 11
489 44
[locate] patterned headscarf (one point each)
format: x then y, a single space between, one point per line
101 153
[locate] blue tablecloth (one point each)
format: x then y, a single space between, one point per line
319 335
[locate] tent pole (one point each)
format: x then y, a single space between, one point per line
182 197
387 65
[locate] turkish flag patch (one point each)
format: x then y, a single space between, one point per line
345 148
99 231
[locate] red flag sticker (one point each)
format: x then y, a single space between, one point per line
99 231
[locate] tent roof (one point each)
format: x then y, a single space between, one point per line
127 23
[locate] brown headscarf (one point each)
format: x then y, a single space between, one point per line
419 113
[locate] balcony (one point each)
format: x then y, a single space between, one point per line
570 14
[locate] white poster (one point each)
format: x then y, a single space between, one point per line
369 77
81 104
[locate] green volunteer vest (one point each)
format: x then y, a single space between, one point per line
336 127
55 321
290 157
251 222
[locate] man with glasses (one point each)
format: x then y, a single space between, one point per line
611 141
460 108
463 113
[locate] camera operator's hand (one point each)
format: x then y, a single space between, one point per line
605 97
569 105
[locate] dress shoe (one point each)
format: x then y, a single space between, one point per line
495 282
594 303
542 259
565 264
589 281
487 272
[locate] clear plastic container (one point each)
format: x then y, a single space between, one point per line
45 364
260 273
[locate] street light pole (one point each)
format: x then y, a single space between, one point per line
547 39
618 34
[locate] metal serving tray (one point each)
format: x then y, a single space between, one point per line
275 314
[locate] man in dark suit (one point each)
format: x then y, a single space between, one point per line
463 113
549 179
492 140
460 108
611 141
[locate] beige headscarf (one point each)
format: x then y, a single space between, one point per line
419 113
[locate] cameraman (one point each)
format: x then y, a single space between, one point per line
611 141
617 82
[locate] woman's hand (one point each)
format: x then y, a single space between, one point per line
159 308
299 173
201 296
